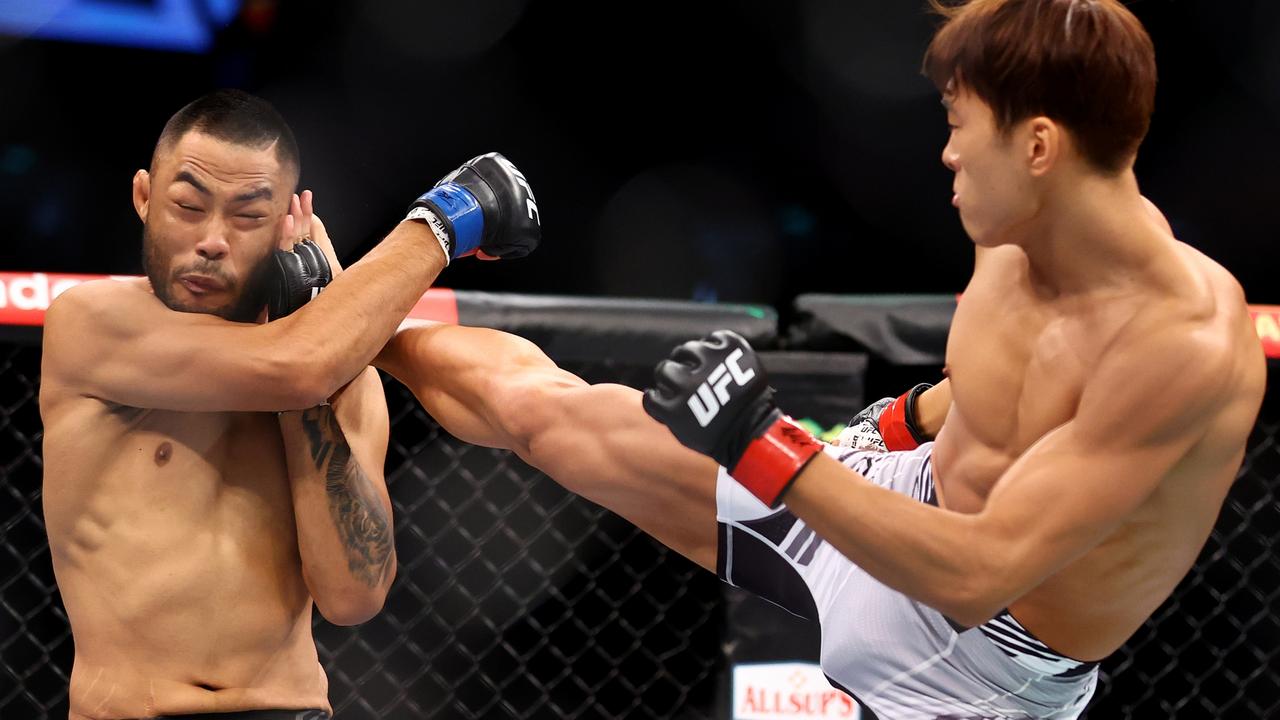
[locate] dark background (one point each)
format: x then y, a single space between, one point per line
743 151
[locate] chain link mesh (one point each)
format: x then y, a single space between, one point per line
515 599
1213 649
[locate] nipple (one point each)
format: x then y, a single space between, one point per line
163 453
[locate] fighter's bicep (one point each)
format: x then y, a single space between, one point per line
1063 496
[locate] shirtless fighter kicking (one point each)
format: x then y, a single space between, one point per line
1104 377
191 527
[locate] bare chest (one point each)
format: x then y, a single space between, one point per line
161 522
208 456
1015 374
166 475
1018 367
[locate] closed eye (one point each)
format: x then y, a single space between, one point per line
188 208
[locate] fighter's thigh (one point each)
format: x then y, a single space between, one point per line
603 446
495 389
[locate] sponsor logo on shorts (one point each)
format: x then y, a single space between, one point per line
766 691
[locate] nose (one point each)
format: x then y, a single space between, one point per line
950 158
213 245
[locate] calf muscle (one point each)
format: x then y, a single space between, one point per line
602 446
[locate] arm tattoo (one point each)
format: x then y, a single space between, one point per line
357 512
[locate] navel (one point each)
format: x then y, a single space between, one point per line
164 452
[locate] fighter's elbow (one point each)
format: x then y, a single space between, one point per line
346 617
296 388
969 610
313 391
302 376
352 607
978 594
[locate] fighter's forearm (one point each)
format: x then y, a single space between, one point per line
338 333
936 556
932 407
345 533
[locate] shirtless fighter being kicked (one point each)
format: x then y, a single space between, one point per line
1103 378
191 526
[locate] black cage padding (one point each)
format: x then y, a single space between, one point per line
576 329
898 329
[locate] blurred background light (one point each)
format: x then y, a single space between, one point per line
187 25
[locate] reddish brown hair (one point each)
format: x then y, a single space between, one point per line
1087 64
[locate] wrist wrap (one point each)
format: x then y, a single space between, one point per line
772 460
898 424
456 213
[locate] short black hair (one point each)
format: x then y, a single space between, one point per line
233 116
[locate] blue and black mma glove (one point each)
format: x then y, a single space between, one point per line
294 277
714 397
487 205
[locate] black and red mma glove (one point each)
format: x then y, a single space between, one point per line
887 424
714 397
897 421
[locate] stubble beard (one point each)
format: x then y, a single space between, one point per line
247 301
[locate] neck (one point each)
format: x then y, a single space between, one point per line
1090 233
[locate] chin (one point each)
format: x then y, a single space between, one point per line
195 307
235 310
988 237
977 235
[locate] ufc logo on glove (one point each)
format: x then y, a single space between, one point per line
761 448
714 393
530 203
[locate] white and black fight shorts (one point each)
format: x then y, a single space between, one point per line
900 658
